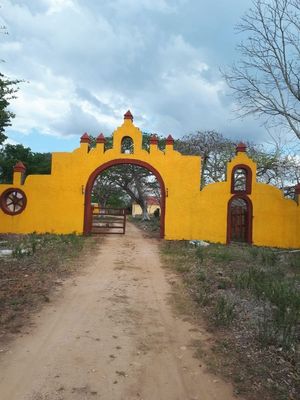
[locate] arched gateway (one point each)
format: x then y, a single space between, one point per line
89 186
239 208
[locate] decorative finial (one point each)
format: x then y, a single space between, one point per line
85 138
100 138
241 148
19 167
128 115
153 139
170 140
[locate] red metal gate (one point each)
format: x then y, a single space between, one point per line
108 220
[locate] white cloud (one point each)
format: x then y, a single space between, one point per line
87 62
9 141
56 6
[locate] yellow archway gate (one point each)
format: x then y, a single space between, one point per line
60 202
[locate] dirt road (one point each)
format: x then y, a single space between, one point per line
111 334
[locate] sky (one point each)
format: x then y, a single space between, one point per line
86 62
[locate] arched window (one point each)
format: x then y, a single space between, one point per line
241 179
127 146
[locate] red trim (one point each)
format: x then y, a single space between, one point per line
170 140
248 179
128 115
241 148
153 139
3 201
100 138
19 167
85 138
87 224
249 214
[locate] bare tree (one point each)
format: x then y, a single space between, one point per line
214 149
266 80
275 167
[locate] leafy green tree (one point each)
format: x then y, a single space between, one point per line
35 163
8 88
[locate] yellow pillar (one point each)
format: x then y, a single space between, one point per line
85 143
100 143
153 143
169 144
19 173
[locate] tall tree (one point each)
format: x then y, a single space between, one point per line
132 181
36 163
8 88
214 149
266 80
273 167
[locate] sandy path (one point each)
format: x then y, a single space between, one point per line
110 334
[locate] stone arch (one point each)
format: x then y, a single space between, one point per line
120 161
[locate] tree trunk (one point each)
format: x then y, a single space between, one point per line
145 215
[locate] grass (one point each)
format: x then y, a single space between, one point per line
38 264
250 299
224 311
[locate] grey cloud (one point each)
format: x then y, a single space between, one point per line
147 55
76 122
85 94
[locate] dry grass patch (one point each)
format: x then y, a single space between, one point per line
38 263
250 299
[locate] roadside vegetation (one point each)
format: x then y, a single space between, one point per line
151 226
250 300
35 265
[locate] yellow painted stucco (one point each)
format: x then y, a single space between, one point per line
55 202
137 210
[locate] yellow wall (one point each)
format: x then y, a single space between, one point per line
55 202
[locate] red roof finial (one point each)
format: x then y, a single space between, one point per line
241 148
19 167
170 140
100 138
128 115
85 138
153 139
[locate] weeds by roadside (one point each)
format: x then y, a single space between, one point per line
37 264
250 298
151 226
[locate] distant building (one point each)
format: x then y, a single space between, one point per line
153 204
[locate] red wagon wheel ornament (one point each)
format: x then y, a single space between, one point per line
13 201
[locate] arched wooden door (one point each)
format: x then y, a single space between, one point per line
239 220
87 225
